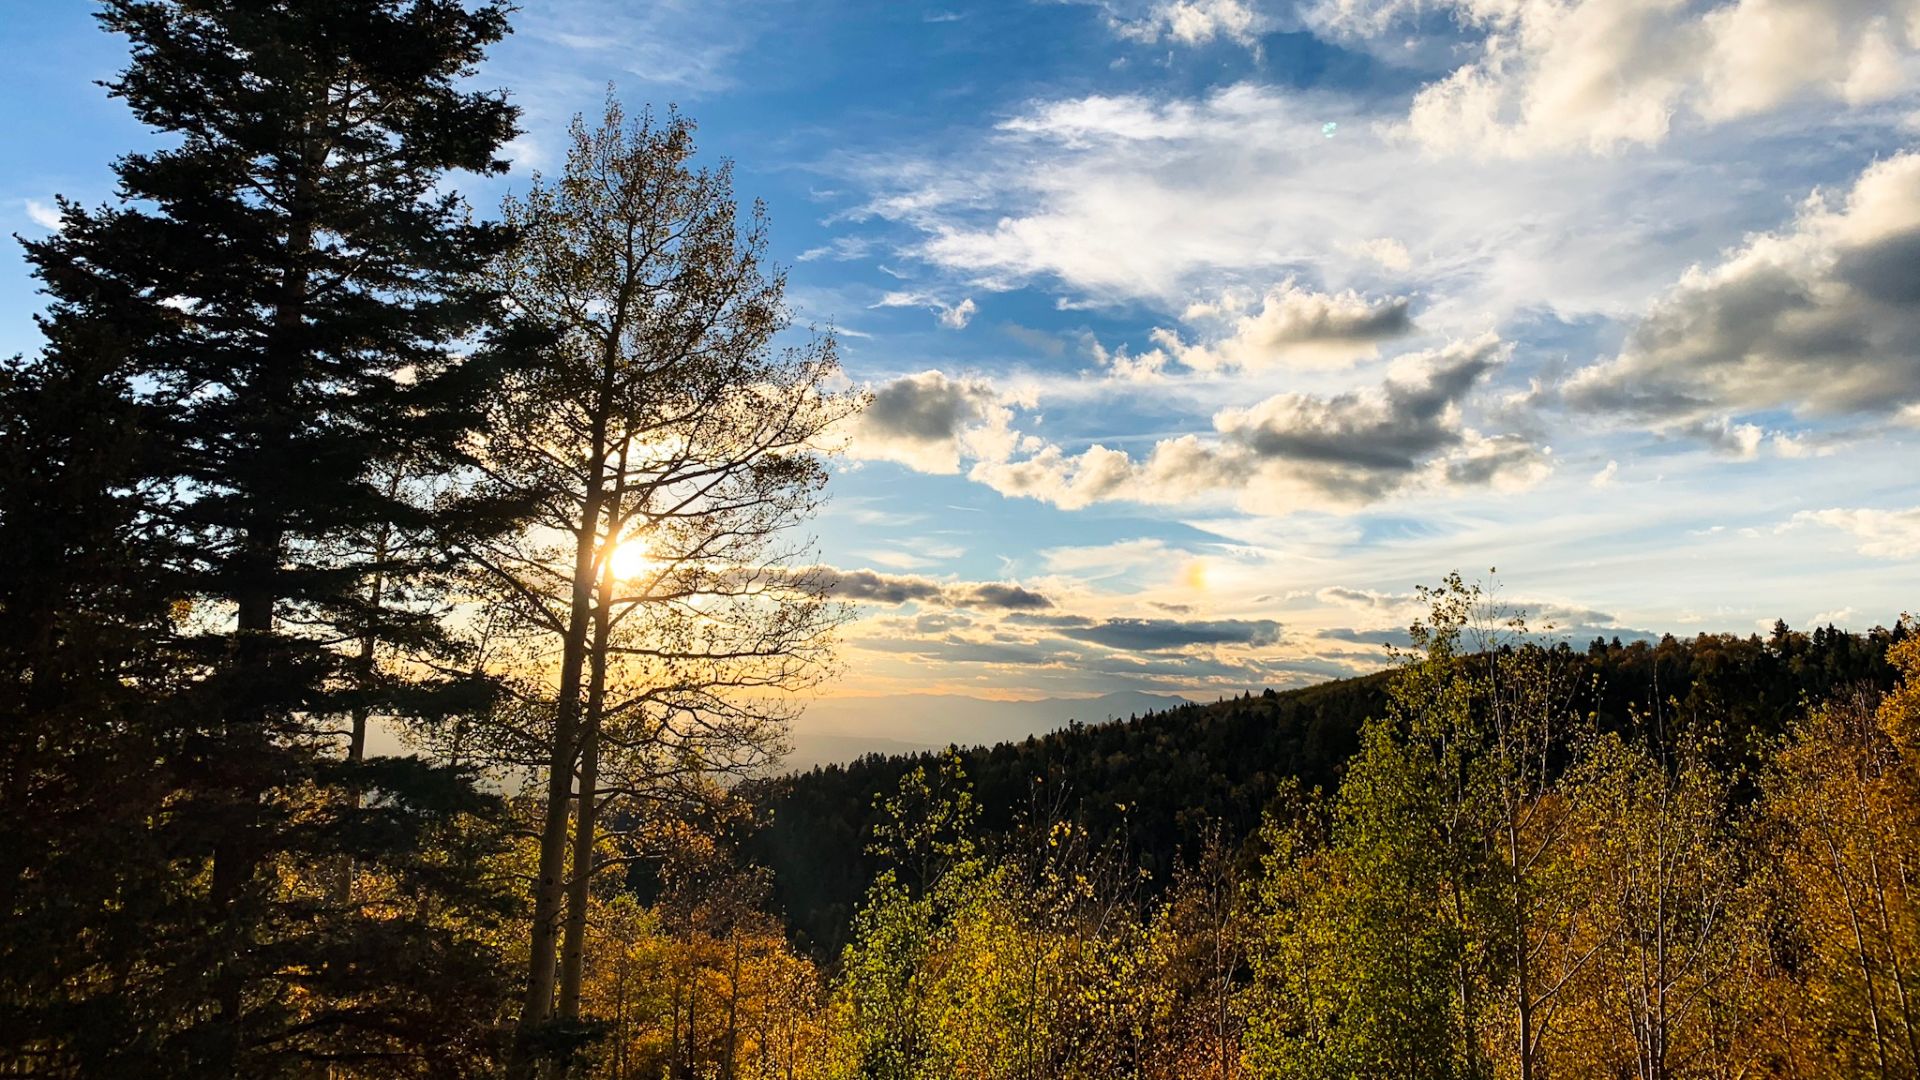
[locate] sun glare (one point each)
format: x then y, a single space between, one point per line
630 560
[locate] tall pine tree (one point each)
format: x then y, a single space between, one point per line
284 310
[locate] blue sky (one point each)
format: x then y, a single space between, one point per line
1620 297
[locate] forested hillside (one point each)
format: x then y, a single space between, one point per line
1162 785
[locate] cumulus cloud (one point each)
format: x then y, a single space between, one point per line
1124 366
1297 450
1386 432
1558 75
929 421
1500 462
1821 318
1884 534
1293 327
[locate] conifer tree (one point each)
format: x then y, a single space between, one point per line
85 730
288 299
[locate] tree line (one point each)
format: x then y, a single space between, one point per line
1163 785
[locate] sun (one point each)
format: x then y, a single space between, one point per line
630 559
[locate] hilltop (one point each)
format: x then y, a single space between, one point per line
1163 782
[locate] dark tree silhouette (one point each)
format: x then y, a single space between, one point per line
266 355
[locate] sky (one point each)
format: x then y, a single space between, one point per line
1201 332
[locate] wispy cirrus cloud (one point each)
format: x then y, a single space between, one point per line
954 316
1167 200
676 44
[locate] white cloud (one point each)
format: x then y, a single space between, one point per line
1385 250
839 249
1196 22
1598 75
1884 534
1108 560
1294 327
1128 367
1840 617
677 45
1294 451
929 421
1822 319
1124 198
1606 477
46 215
957 316
951 316
1804 445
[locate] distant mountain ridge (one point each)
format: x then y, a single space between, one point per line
843 729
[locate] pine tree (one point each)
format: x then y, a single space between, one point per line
86 731
300 326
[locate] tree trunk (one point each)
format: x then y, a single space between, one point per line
234 855
357 738
573 948
1522 976
549 888
733 1011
